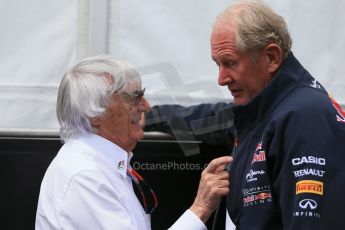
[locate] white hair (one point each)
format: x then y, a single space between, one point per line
85 91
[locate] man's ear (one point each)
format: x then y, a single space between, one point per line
274 57
95 121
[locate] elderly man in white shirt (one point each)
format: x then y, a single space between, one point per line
88 185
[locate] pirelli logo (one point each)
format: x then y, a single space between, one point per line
309 186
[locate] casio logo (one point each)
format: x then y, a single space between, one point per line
308 204
308 160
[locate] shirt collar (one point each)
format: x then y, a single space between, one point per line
117 157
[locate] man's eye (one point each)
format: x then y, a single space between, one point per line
229 64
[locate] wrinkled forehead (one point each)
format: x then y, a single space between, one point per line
222 41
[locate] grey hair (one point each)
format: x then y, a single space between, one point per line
85 92
256 25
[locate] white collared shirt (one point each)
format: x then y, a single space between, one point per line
86 187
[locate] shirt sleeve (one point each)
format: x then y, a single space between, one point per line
188 221
91 204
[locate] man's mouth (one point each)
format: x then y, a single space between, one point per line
235 92
135 120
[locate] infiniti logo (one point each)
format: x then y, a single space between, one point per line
308 203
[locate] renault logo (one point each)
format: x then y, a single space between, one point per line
308 203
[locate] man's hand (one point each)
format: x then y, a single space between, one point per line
214 184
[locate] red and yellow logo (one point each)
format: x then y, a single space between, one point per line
309 186
263 196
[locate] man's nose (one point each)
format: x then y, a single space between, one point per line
144 105
224 77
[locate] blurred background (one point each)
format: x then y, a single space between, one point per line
167 40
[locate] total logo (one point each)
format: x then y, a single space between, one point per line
308 204
308 160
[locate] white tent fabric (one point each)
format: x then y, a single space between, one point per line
37 43
167 40
171 40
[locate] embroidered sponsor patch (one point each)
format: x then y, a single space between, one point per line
309 172
252 175
307 204
255 190
259 197
307 208
308 160
256 195
309 186
259 155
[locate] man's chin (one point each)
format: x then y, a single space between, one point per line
135 138
138 135
240 101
